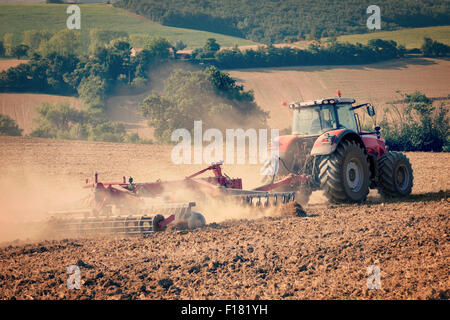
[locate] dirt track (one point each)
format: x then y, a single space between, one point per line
323 255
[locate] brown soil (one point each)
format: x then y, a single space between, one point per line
324 255
6 64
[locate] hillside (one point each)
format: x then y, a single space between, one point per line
274 21
19 18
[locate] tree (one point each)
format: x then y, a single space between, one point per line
432 48
9 42
2 49
208 51
211 45
159 47
142 62
20 51
190 96
384 49
102 38
92 91
180 45
65 42
57 66
9 127
33 38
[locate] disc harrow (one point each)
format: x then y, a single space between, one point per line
143 221
128 208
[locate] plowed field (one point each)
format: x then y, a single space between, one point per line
324 255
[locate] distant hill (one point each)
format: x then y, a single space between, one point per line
16 18
276 20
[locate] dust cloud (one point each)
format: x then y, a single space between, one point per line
28 198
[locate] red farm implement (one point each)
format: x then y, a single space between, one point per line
126 207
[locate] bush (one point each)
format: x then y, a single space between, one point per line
432 48
108 131
134 138
420 127
9 127
60 121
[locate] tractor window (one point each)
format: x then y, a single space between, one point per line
346 117
314 121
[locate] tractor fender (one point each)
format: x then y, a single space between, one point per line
328 141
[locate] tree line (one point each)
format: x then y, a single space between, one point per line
277 21
329 53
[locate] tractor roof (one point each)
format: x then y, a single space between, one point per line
312 103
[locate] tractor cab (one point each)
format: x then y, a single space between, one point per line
313 118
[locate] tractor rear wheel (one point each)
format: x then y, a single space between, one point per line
396 175
344 174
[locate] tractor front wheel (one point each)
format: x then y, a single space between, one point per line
344 174
396 175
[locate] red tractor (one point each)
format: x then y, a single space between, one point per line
328 145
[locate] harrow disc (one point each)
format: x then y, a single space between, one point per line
144 221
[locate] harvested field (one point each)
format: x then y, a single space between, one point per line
21 106
377 83
9 63
323 255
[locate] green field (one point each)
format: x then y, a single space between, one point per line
410 38
17 18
